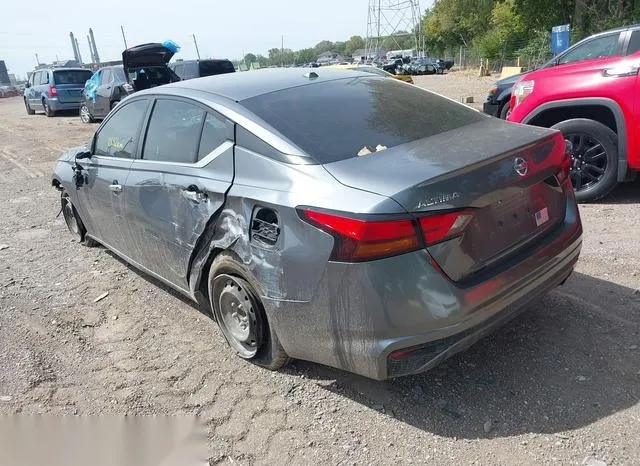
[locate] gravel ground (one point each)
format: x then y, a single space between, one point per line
561 384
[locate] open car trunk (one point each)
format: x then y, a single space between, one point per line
145 66
506 177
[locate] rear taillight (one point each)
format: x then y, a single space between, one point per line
358 240
52 91
565 164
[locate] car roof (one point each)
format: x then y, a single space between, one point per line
247 84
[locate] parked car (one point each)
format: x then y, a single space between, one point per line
498 103
9 91
373 70
424 66
589 93
190 69
329 215
103 91
55 89
145 65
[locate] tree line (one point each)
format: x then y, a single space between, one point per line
493 29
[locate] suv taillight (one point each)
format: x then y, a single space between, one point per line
358 240
52 91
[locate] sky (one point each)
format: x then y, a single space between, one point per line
223 29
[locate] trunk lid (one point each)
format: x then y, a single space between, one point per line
151 54
480 167
145 65
69 84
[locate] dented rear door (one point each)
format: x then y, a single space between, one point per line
170 198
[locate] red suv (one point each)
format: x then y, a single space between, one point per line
591 95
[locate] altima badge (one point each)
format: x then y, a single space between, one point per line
520 166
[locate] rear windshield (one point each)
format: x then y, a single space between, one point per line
210 68
71 76
339 119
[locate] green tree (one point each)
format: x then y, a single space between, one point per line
249 58
354 43
323 46
305 56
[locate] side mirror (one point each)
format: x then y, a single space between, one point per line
85 154
27 85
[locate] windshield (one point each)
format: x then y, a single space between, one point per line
338 119
71 76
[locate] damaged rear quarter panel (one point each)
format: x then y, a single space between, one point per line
292 268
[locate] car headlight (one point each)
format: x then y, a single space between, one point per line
493 90
523 90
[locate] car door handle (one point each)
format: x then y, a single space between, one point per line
115 187
193 193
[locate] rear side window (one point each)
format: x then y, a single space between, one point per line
174 132
119 136
118 75
43 77
216 130
634 42
71 76
210 67
338 119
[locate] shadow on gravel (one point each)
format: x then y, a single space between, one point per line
159 284
569 361
625 193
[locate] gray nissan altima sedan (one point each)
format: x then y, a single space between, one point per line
327 215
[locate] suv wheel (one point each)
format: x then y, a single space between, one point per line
30 111
506 109
594 157
47 109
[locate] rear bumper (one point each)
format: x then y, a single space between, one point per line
56 105
362 313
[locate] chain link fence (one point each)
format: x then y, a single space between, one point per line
527 54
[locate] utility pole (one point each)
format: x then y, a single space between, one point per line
124 39
282 50
37 60
195 42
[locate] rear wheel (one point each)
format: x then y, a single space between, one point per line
47 109
85 114
594 157
240 314
30 111
73 221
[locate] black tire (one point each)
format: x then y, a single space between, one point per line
73 221
227 273
85 114
114 104
30 111
47 109
595 175
504 112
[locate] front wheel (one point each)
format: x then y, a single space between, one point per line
73 221
114 104
506 109
594 157
30 111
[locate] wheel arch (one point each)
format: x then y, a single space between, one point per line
600 109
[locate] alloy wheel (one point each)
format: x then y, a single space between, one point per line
85 116
588 160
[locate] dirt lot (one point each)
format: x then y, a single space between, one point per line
561 384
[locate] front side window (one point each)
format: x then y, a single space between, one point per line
119 136
105 77
174 132
600 47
